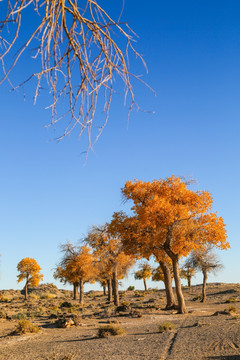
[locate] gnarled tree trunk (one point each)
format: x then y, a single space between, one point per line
204 295
104 289
75 291
26 291
81 291
145 284
189 281
171 303
109 286
176 273
115 286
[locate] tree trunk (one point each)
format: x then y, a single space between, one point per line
104 289
189 281
115 286
26 291
145 284
81 291
176 273
75 291
204 296
109 285
171 303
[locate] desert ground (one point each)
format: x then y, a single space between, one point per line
209 330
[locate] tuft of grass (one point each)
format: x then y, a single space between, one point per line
230 309
66 304
196 298
167 326
48 296
3 314
110 330
231 300
25 327
19 316
34 297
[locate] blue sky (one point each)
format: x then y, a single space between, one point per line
50 194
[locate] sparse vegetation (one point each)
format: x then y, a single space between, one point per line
167 326
110 330
25 327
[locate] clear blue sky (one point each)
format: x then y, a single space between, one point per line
49 194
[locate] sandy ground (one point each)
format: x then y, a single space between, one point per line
197 335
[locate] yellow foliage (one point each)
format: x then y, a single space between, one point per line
29 270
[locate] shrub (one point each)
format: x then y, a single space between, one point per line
48 296
230 309
24 327
131 288
231 300
110 330
167 326
3 314
199 297
19 316
34 297
66 304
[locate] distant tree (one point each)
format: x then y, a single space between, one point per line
69 251
109 248
143 273
206 261
187 271
83 268
29 270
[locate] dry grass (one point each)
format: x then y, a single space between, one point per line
110 330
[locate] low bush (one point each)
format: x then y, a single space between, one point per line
231 300
131 288
167 326
230 309
110 330
25 327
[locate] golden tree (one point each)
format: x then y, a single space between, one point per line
143 273
77 53
29 270
137 240
188 271
181 218
109 248
83 268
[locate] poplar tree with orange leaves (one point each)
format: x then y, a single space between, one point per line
181 218
137 241
109 249
29 270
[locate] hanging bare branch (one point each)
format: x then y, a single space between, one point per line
76 43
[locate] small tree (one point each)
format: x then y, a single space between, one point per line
187 272
206 261
29 270
143 273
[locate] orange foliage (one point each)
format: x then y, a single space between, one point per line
177 218
29 270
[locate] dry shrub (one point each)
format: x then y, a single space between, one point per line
25 327
230 309
34 297
167 326
231 300
3 314
110 330
48 296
